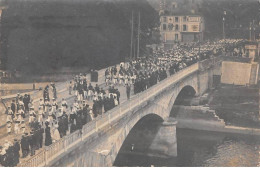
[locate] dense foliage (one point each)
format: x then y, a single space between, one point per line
46 35
239 14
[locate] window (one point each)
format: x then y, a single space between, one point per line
176 27
173 6
164 19
184 27
170 27
184 19
164 27
176 19
176 37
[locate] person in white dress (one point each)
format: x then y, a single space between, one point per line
9 127
10 114
46 106
54 105
22 127
20 113
90 94
76 104
40 115
50 118
41 103
64 104
16 127
121 78
126 79
114 79
115 99
55 133
32 115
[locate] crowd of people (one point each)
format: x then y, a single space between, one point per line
102 99
53 120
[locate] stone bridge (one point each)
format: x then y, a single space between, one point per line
100 140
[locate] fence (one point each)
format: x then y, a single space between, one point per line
51 152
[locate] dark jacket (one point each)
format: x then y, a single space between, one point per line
48 139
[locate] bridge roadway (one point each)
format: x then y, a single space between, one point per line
62 92
106 125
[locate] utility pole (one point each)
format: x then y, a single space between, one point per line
132 34
250 32
134 48
199 44
253 28
138 40
224 34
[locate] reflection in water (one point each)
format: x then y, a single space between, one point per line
195 148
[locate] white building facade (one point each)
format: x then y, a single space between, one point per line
181 28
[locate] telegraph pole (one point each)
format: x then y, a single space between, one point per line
132 34
134 48
224 34
250 32
253 28
138 40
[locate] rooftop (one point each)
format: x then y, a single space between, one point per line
181 12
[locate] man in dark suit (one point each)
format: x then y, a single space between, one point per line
13 106
128 89
16 152
25 145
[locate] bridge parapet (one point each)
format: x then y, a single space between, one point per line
208 63
71 141
205 64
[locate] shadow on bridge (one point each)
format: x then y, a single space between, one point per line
185 96
139 141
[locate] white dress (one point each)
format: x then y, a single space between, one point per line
40 116
55 135
16 128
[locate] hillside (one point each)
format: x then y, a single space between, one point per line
46 35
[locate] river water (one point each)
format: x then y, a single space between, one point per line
195 149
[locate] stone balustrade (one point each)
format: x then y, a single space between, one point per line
49 153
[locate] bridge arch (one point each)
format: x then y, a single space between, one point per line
185 95
182 96
146 129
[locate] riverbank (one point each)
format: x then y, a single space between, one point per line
236 105
208 126
195 149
